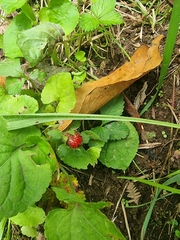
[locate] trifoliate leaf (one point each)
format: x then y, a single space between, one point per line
117 130
59 88
61 12
81 222
37 42
119 154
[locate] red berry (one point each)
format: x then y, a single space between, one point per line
74 141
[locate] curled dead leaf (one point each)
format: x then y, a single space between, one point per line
93 95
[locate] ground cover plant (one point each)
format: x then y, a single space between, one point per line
50 50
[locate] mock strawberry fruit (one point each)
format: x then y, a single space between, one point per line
74 141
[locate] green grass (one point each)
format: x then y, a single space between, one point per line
168 49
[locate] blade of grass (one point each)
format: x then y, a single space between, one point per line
2 226
18 121
149 213
168 50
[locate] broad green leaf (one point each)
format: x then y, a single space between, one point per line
32 217
113 107
61 12
11 5
37 42
19 104
111 18
119 154
14 85
78 157
27 10
42 151
117 130
101 8
88 22
59 89
81 222
19 23
11 68
29 231
22 180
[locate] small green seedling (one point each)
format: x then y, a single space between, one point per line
164 134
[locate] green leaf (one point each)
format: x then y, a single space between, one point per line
101 8
22 104
66 197
102 132
1 40
104 11
111 18
81 222
11 68
61 12
29 231
14 85
27 10
95 140
88 22
78 157
59 88
37 42
113 107
11 5
32 217
119 154
117 130
22 181
80 56
19 23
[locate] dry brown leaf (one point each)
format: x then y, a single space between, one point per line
93 95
